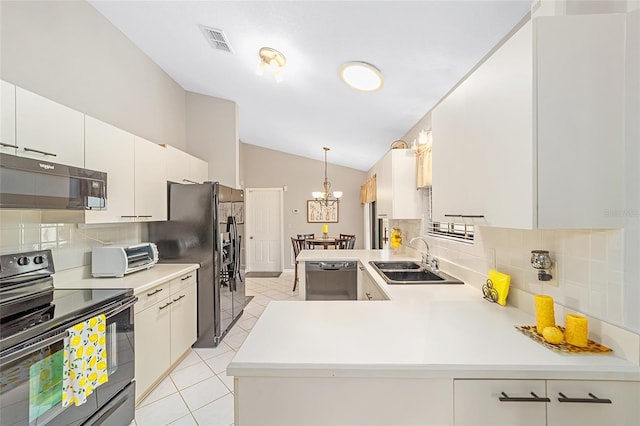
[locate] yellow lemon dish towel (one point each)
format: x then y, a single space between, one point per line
85 360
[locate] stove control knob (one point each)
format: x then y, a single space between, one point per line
22 261
38 260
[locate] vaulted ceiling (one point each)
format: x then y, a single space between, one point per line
422 48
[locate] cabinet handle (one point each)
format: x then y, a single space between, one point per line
175 300
592 400
534 398
189 181
155 292
168 303
361 268
128 216
186 278
471 216
369 296
8 145
142 215
40 152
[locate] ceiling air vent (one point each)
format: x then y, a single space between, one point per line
216 38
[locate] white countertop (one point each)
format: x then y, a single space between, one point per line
139 281
445 331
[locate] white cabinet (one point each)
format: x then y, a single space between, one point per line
111 150
150 181
152 343
184 321
47 130
367 287
546 402
521 140
477 402
7 118
185 168
166 327
578 407
396 195
343 401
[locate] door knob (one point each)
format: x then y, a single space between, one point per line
251 238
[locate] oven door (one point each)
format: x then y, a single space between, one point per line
31 374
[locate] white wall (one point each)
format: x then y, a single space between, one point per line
266 168
68 52
212 135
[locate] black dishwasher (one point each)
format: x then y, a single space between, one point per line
331 280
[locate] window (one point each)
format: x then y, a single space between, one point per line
459 231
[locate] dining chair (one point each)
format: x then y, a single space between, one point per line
303 236
346 243
298 245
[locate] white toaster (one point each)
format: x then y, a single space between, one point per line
115 261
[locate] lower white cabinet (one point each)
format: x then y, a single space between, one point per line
477 402
367 287
166 327
546 402
343 401
585 402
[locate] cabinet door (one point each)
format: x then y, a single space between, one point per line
152 345
48 131
200 169
178 165
382 170
150 181
368 289
7 118
477 402
183 321
453 163
111 150
580 74
405 196
623 410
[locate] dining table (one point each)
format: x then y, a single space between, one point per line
325 242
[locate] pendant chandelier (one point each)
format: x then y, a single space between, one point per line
326 197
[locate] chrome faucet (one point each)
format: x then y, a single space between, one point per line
425 256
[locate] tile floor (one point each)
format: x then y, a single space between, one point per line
198 391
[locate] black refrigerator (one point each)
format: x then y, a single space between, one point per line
205 225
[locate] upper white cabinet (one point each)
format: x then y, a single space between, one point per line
111 150
7 118
396 193
533 138
185 168
47 130
150 181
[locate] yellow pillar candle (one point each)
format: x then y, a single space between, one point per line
325 229
577 330
545 316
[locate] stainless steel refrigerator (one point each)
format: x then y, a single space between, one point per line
205 226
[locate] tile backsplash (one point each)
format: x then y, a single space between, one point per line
69 241
588 265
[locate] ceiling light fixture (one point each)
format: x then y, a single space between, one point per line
272 60
361 76
326 198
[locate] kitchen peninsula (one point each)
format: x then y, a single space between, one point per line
406 360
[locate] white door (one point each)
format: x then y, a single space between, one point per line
264 229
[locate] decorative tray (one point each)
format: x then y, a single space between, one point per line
592 347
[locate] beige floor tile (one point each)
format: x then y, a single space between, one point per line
204 392
191 375
162 412
216 413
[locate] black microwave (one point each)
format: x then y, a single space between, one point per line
27 183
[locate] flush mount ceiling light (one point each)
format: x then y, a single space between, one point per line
272 60
361 76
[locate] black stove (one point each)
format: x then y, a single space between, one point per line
30 304
35 318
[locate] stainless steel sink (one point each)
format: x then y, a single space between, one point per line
394 272
396 265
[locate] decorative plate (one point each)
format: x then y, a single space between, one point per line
592 347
